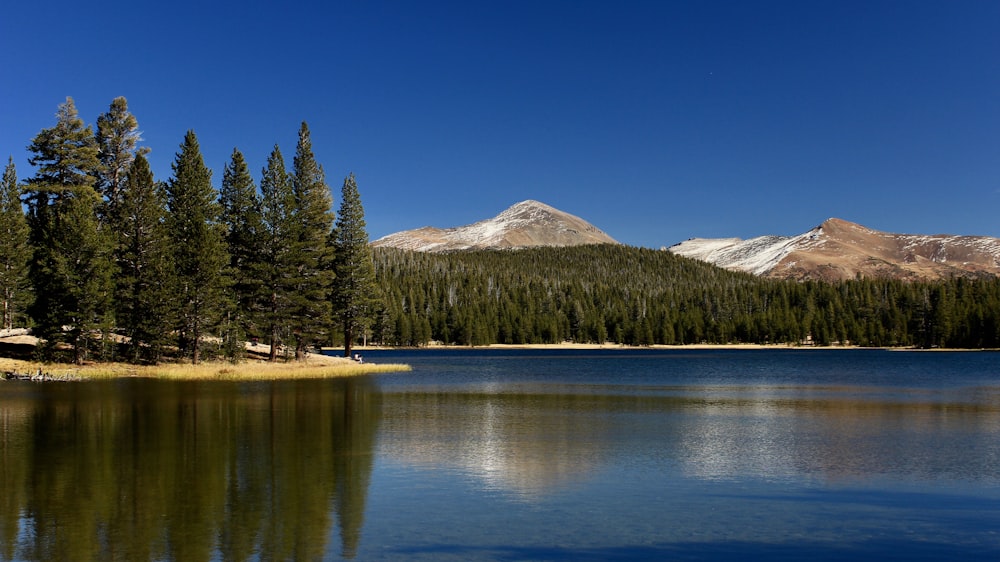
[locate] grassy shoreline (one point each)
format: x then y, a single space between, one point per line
248 370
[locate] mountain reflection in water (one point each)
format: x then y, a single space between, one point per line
533 444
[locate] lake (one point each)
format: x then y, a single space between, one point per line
518 455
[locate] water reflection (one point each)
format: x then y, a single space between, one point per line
141 470
132 469
535 444
527 445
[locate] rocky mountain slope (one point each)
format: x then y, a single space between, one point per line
528 223
838 249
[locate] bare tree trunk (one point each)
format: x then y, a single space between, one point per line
299 348
273 354
196 349
348 340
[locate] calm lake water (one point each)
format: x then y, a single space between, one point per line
518 455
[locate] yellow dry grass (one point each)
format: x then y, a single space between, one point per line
325 367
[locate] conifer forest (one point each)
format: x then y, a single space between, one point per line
103 261
637 296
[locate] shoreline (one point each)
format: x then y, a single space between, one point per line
321 365
314 367
253 367
696 346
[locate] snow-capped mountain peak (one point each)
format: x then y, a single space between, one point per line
525 224
838 249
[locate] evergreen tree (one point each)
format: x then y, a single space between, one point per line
241 214
144 284
199 249
14 249
313 218
66 158
117 138
71 264
354 290
277 268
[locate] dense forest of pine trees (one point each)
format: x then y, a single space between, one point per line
636 296
104 262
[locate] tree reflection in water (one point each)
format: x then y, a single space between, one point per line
141 469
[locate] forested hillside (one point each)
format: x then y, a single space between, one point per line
639 296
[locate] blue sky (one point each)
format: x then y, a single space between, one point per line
656 121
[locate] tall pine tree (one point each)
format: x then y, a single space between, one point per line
277 268
199 248
313 218
71 263
241 214
14 250
145 270
117 138
354 290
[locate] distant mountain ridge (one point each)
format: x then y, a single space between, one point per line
838 249
525 224
834 250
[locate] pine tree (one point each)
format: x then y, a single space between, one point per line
66 157
277 206
241 214
199 249
71 263
354 290
277 268
117 138
14 249
143 255
313 218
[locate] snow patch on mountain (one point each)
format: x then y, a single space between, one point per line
755 255
839 249
528 223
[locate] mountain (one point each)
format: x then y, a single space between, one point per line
526 224
839 249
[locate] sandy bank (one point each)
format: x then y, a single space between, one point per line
253 368
588 346
594 346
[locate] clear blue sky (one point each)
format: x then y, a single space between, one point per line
656 121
